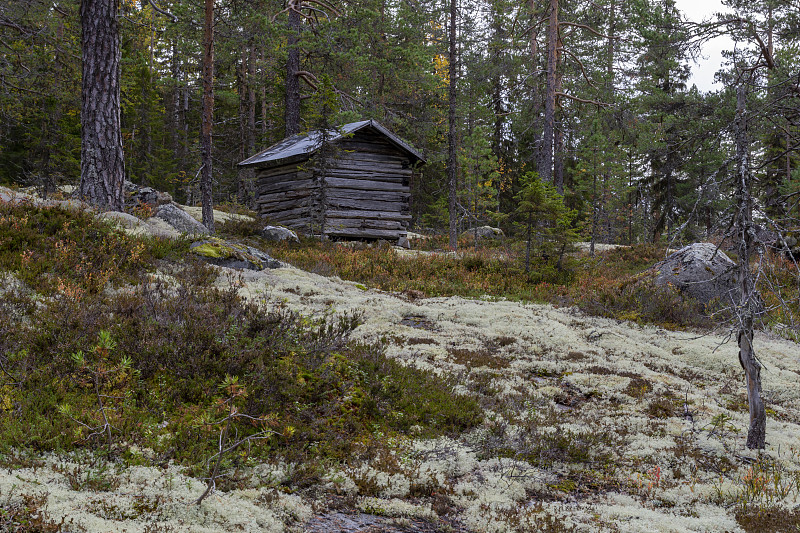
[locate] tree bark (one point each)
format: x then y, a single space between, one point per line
756 433
535 95
248 121
250 138
558 127
265 126
595 207
546 163
241 91
175 104
208 116
452 183
292 68
498 35
102 160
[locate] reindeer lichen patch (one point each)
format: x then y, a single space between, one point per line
145 498
589 423
648 387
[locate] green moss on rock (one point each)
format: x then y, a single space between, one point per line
215 250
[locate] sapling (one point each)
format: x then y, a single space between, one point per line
230 407
97 371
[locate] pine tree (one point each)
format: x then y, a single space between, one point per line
207 178
102 160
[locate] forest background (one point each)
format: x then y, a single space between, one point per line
591 96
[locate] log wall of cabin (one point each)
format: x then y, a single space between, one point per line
286 195
364 193
367 190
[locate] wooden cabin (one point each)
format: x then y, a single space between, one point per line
356 187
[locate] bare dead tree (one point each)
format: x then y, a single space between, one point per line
748 304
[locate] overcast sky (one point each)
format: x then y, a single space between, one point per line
703 72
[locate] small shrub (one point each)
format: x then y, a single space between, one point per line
755 519
245 227
661 407
638 387
639 300
167 340
478 358
477 272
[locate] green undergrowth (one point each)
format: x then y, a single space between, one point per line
768 519
53 250
613 284
475 273
122 345
606 285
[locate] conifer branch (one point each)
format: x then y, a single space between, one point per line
583 100
587 28
580 64
162 11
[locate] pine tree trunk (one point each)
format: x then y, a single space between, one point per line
535 95
546 163
241 83
250 138
452 184
595 209
102 161
175 103
292 81
265 126
497 84
756 433
241 91
528 237
558 126
208 116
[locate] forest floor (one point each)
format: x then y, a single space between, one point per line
591 424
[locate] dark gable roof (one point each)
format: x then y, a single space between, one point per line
308 143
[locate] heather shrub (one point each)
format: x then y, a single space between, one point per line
54 250
639 299
606 285
246 227
156 343
475 272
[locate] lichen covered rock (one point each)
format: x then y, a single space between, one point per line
180 220
232 255
702 271
136 195
483 232
279 233
153 227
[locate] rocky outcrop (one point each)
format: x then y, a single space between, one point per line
701 271
788 243
136 195
152 227
279 233
232 255
180 220
20 197
483 232
219 216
